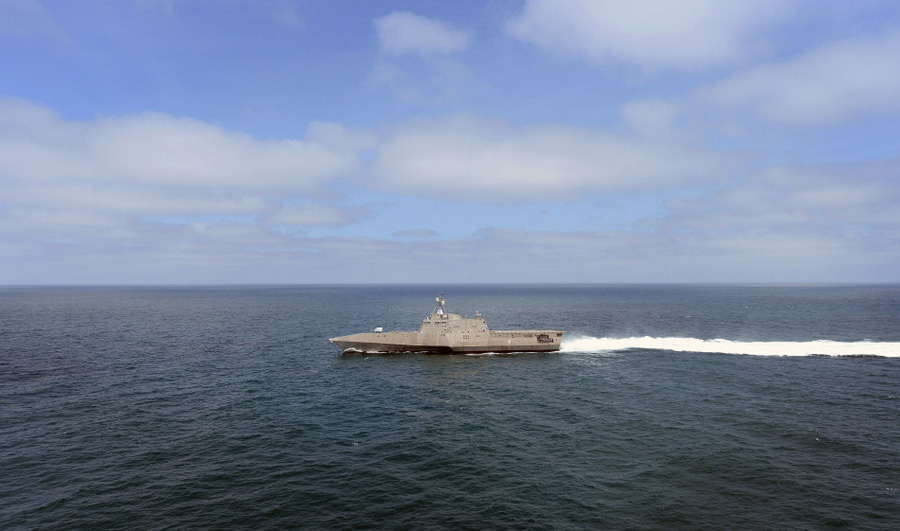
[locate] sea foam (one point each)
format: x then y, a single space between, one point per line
723 346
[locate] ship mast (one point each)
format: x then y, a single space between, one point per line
439 307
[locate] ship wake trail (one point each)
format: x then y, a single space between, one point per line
587 344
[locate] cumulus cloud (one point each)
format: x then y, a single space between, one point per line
650 117
403 33
794 215
152 149
415 233
656 34
838 82
127 181
784 224
310 214
437 82
160 149
802 253
29 19
416 59
135 200
465 157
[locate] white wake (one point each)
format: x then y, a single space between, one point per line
724 346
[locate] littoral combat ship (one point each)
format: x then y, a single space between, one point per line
450 333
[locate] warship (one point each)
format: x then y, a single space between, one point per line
450 333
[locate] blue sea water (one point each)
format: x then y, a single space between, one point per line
669 407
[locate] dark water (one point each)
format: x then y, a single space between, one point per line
217 408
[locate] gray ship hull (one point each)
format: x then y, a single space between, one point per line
450 333
498 342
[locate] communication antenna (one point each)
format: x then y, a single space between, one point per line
439 308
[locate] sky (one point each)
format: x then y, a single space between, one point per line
526 141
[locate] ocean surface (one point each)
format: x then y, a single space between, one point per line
669 407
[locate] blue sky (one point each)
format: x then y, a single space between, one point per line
304 141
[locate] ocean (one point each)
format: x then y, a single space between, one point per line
668 407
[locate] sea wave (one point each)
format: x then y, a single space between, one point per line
587 344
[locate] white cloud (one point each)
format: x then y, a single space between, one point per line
775 228
804 253
819 210
159 149
831 223
437 82
38 147
28 18
838 82
650 117
134 199
415 233
162 149
656 34
416 59
310 214
468 158
403 33
157 181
